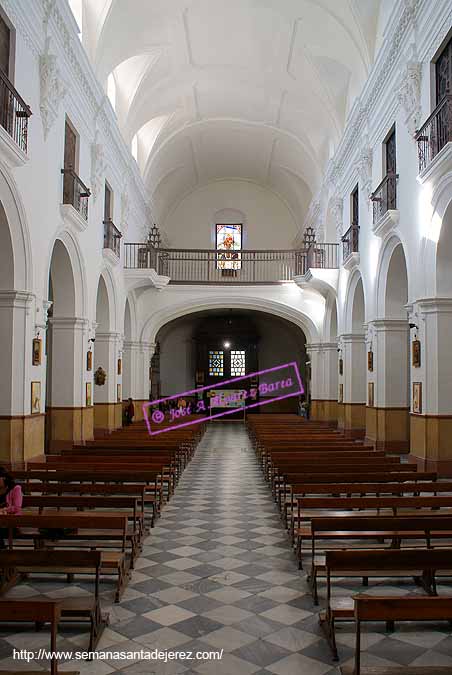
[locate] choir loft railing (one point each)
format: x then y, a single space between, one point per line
14 113
220 266
384 198
112 237
350 241
435 133
75 192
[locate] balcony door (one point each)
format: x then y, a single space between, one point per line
6 109
391 169
443 73
70 158
5 46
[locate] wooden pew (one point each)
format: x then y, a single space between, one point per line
99 531
54 562
382 608
37 612
418 563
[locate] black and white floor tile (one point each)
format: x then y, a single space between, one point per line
217 572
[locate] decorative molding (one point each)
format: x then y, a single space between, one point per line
125 211
52 88
352 261
387 223
409 95
440 165
364 167
337 209
110 256
72 218
12 154
98 166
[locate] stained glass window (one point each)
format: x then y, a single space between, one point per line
216 363
229 244
237 363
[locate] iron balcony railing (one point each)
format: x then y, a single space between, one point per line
220 266
350 241
75 192
435 133
14 113
384 198
112 237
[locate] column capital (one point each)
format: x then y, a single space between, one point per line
17 299
352 337
330 346
435 305
69 323
110 336
390 325
132 345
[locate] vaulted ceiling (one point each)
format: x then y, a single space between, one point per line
214 89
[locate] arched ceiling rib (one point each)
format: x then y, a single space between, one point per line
254 89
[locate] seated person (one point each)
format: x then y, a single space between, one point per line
10 499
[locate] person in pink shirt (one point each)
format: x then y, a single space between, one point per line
10 499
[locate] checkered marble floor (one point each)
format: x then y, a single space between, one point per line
217 572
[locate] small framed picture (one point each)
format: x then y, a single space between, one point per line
341 366
416 353
370 361
89 360
119 366
199 377
118 393
37 352
341 393
370 394
417 397
35 398
89 394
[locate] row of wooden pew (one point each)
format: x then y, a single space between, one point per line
87 512
354 512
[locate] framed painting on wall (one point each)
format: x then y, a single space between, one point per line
119 366
340 398
341 366
370 361
118 393
37 352
89 360
417 397
416 353
89 394
370 394
35 398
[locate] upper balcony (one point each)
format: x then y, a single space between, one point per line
434 142
75 199
384 198
350 246
14 114
210 266
112 242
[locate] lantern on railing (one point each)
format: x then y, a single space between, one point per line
309 237
154 238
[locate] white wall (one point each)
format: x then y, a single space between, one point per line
268 221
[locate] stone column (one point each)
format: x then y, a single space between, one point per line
387 420
324 381
352 410
144 354
68 420
431 428
21 434
107 397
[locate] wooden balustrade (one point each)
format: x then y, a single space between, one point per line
75 192
14 113
435 133
112 237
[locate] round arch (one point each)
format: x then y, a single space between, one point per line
107 314
392 287
75 256
15 257
330 324
355 303
437 228
153 324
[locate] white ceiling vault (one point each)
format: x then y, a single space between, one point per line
245 89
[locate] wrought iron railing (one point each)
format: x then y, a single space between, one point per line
435 133
112 237
219 266
384 198
14 113
350 241
75 192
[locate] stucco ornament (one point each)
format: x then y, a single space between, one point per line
100 377
98 165
53 89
